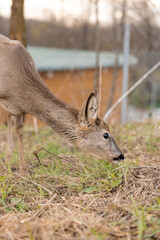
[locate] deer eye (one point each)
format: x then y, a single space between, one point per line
106 135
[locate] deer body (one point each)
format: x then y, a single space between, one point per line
23 91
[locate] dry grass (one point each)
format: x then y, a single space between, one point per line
71 196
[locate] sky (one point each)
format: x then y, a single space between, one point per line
42 9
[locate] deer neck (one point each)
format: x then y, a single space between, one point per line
55 113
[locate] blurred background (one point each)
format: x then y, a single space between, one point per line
79 45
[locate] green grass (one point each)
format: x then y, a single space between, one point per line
120 202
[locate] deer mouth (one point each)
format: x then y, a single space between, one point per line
119 158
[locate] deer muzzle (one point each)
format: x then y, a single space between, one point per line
120 157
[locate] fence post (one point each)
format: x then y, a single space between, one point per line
125 70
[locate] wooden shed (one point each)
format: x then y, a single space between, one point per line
69 74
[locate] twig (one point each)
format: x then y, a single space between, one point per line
9 234
32 217
68 210
35 153
49 202
93 201
53 154
139 167
147 179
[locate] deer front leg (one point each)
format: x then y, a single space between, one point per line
19 128
9 139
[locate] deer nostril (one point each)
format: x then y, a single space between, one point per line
121 157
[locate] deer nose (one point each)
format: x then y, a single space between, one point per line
120 158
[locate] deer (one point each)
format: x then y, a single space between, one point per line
22 91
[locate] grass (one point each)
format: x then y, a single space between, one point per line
70 195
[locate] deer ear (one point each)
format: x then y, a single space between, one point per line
88 113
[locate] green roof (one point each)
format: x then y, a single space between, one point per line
50 59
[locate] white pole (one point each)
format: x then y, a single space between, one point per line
126 49
106 116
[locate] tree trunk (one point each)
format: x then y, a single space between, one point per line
17 22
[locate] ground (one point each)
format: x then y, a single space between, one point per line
68 195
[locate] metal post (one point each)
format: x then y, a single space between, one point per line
154 88
125 69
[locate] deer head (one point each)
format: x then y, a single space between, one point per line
95 137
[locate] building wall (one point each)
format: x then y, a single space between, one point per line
74 87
